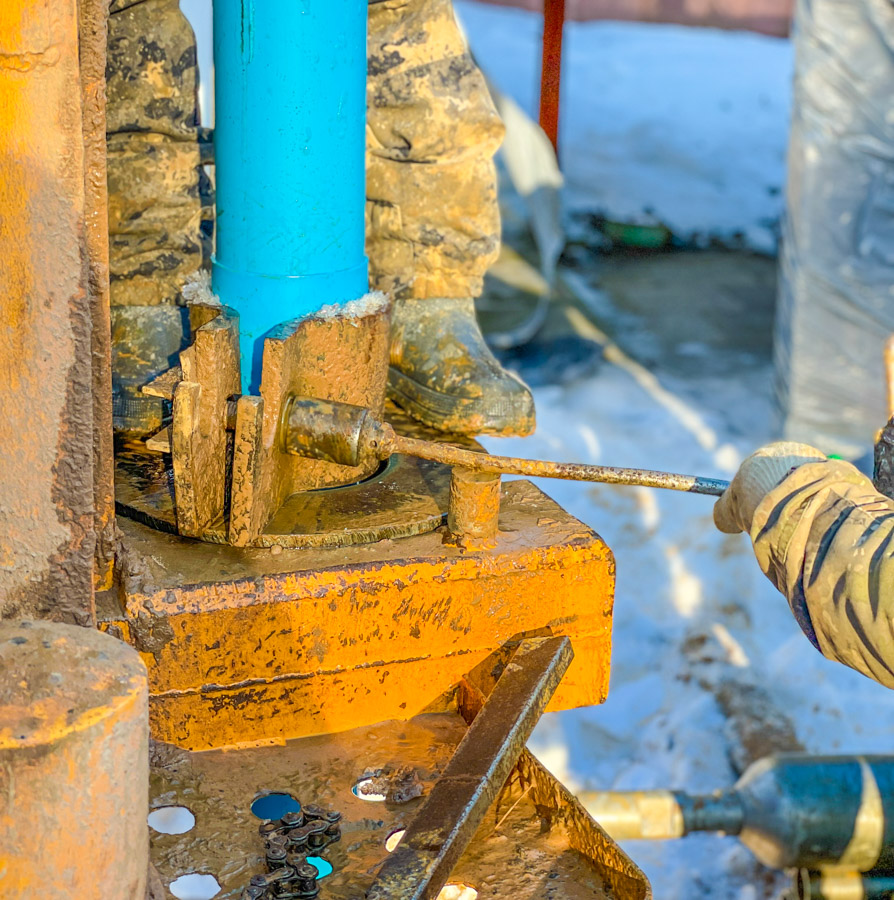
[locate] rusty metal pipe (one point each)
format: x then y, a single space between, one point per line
320 428
551 68
473 511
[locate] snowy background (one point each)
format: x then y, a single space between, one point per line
686 128
692 613
659 123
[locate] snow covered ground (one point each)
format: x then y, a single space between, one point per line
659 123
692 609
690 125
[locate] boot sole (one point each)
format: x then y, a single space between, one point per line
456 414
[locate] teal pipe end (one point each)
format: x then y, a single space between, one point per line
289 149
267 301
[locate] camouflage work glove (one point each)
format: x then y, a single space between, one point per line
757 476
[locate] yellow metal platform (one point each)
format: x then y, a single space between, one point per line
251 645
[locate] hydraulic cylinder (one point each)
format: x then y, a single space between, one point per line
790 810
289 140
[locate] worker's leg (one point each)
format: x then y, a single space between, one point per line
154 203
433 224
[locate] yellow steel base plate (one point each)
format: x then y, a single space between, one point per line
251 644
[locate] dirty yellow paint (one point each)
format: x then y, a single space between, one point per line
357 635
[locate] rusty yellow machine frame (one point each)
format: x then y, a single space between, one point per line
293 665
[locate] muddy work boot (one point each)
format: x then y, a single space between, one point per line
443 374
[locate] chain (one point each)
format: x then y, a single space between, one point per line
287 844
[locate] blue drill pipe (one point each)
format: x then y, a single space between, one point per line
289 143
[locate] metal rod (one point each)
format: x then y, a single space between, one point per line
551 68
343 433
538 468
443 828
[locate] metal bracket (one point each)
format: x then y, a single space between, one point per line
443 828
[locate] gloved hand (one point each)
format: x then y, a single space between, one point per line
757 476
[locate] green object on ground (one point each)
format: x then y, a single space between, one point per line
645 237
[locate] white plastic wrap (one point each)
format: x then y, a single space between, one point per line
836 297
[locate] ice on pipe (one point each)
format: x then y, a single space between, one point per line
197 289
368 305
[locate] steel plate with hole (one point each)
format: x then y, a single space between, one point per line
274 806
194 886
323 866
171 820
521 849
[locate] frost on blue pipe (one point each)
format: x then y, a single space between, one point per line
290 114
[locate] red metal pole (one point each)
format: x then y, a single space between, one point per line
551 69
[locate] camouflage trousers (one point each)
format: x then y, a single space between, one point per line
155 208
433 224
432 218
153 152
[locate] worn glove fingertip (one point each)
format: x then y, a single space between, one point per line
725 517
